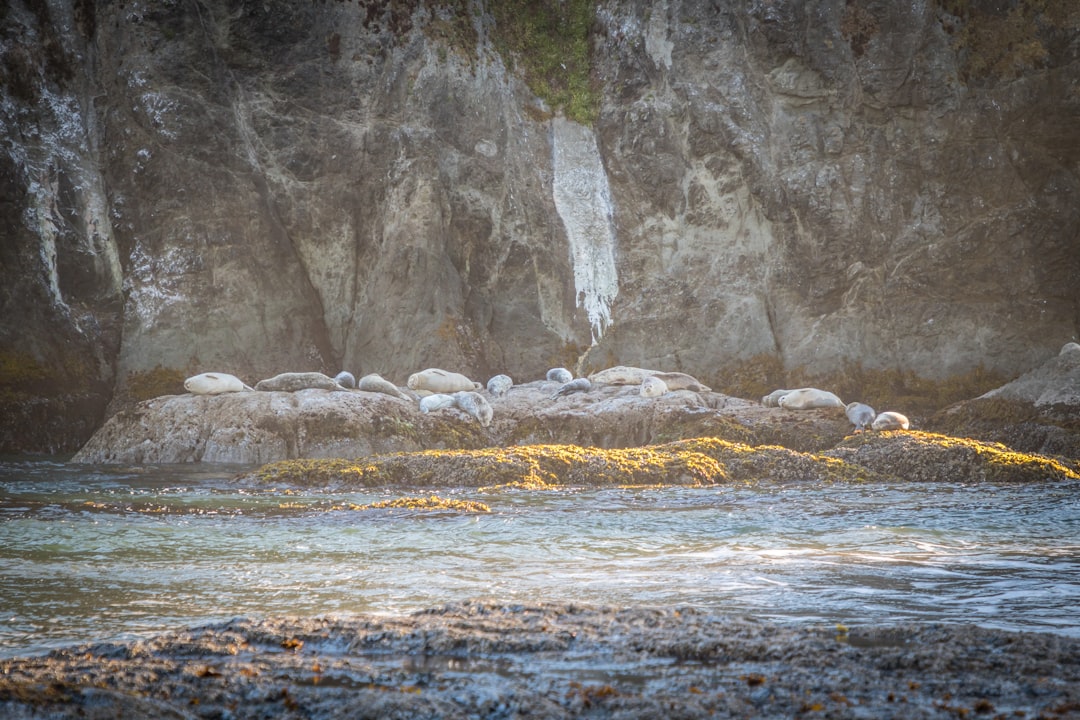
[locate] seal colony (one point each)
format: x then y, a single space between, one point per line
435 389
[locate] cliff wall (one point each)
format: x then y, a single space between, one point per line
754 187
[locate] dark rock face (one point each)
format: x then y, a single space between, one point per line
264 187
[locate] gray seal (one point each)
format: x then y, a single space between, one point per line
860 415
499 385
345 379
293 381
476 405
560 375
376 383
574 386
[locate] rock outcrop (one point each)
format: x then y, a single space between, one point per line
1037 412
380 187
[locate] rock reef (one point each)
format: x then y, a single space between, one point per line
482 659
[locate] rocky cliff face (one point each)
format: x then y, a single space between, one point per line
256 187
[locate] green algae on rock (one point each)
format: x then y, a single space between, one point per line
701 461
432 502
923 456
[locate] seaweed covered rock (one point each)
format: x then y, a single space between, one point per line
702 461
922 456
1037 412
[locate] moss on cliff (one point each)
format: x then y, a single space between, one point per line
147 384
1000 41
549 41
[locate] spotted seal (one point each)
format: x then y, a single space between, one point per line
810 398
574 386
860 415
889 420
773 398
652 387
476 405
559 375
214 383
436 401
345 379
376 383
621 375
499 385
1069 347
437 380
293 381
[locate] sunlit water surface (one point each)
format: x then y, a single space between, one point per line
93 552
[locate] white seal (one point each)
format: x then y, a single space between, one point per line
681 381
860 415
437 380
214 383
499 385
436 401
560 375
476 405
891 421
808 399
652 387
293 381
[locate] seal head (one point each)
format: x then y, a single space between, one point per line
499 385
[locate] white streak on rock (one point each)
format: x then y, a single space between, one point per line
583 201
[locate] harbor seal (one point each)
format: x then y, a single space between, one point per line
622 375
1070 347
860 415
773 398
652 387
214 383
574 386
476 405
437 380
808 399
560 375
293 381
499 385
345 379
376 383
436 401
889 420
681 381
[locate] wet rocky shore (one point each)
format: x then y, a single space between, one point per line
487 660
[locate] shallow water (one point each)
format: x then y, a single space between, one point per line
101 552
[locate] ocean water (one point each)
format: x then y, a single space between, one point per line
92 553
